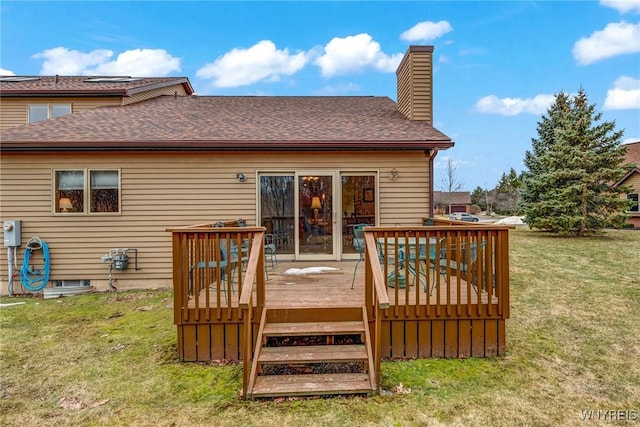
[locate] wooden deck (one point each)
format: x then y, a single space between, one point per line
332 288
453 298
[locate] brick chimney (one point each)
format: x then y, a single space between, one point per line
415 84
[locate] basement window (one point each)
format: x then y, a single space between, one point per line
87 191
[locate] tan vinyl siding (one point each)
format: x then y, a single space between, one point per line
634 182
15 111
169 90
415 86
160 191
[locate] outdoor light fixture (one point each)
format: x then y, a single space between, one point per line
393 175
65 204
241 177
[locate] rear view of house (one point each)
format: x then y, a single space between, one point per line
306 168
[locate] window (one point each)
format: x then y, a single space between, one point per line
38 112
87 191
634 197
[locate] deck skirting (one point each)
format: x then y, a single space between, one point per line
401 339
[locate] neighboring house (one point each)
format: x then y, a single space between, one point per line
307 168
452 202
28 99
632 179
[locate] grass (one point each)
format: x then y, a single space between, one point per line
573 345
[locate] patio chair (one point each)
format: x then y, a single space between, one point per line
358 245
221 277
387 255
270 248
468 257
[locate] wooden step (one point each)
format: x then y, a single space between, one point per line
312 354
311 384
313 328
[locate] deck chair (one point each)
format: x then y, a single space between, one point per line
358 245
200 268
270 249
387 255
468 258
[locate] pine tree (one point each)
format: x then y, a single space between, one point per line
507 194
574 162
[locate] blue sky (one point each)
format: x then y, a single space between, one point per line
497 65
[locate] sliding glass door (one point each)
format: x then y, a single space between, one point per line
311 214
359 193
277 210
316 237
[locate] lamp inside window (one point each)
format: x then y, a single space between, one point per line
65 204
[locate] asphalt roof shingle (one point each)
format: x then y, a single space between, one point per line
242 121
84 85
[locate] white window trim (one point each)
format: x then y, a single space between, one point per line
50 106
87 192
637 210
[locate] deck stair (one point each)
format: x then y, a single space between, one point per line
312 352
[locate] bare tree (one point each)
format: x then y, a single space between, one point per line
449 182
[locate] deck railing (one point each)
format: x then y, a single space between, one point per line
439 271
214 268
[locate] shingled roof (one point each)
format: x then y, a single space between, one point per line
454 198
77 86
232 122
633 153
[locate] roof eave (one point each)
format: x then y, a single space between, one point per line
39 146
18 93
183 81
627 176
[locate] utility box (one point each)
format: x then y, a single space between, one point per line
12 232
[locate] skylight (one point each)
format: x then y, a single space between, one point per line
120 79
18 78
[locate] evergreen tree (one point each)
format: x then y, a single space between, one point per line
478 197
574 162
507 193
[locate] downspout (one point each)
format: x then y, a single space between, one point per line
432 155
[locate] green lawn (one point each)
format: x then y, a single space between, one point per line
573 345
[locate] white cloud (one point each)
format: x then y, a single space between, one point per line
4 72
513 106
426 31
625 95
616 39
355 53
622 6
136 62
261 62
141 62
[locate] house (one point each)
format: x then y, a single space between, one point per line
135 194
28 99
632 179
452 202
307 168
